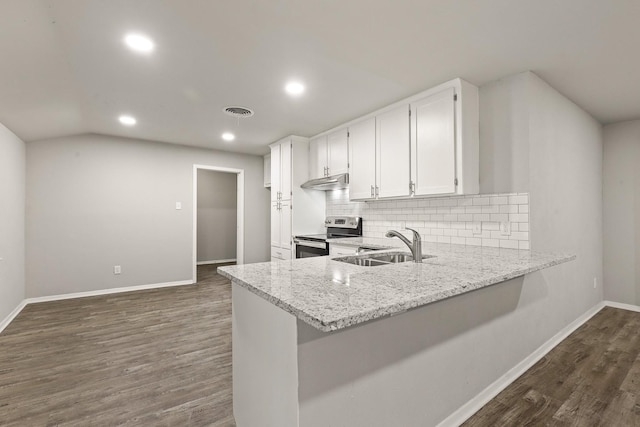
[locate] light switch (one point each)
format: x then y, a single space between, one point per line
178 205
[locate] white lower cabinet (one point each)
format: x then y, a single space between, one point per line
339 250
278 254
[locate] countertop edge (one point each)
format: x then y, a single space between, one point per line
394 309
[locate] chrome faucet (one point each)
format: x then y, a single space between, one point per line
415 246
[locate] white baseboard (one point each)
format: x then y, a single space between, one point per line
7 320
106 291
475 404
623 306
216 261
12 315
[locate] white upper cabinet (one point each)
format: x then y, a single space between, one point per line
362 155
433 144
425 145
318 157
393 152
338 152
329 155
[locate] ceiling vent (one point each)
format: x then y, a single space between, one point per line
238 111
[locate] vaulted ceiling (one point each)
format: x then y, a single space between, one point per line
64 68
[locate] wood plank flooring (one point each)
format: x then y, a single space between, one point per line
163 358
158 357
592 378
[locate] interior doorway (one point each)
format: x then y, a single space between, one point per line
213 229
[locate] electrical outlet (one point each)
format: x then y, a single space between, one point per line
595 282
505 228
477 228
117 269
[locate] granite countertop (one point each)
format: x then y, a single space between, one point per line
331 295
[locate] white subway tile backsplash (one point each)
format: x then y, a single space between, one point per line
478 201
520 199
444 219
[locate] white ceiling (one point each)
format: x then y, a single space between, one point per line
64 68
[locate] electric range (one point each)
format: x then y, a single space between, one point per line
311 245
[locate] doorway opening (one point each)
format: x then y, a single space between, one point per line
218 225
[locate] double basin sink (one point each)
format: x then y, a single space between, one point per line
374 260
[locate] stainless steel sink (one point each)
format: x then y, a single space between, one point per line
365 262
374 260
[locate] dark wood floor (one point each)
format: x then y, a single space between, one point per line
159 357
163 358
592 378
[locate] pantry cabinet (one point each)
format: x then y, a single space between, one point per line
293 210
329 154
281 171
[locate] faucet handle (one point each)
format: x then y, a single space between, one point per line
416 235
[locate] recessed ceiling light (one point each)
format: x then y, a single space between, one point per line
127 120
227 136
294 88
139 43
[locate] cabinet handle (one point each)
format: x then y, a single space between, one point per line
377 191
372 191
412 188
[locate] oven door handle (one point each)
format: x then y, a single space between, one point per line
310 244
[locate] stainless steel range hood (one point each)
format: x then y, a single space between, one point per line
334 182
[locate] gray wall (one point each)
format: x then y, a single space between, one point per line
622 212
552 149
217 215
533 140
12 205
97 201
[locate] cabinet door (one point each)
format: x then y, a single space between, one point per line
338 152
393 152
285 170
362 163
317 157
433 148
275 172
275 224
285 225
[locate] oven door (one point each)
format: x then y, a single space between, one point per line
307 249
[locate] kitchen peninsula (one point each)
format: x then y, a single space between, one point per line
322 342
